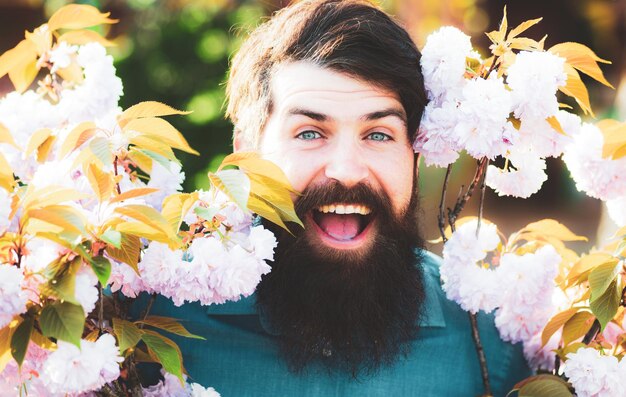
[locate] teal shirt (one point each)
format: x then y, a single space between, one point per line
239 356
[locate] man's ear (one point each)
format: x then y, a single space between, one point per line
240 144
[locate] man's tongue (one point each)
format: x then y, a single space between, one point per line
340 227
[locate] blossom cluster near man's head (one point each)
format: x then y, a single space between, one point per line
89 200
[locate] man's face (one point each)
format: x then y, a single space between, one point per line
328 127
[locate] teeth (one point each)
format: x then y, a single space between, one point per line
344 209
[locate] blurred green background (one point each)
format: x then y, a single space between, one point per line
177 52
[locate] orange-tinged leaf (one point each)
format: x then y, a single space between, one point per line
614 134
141 160
6 334
554 123
36 140
128 252
44 149
133 193
582 58
73 73
23 75
101 182
23 53
556 323
79 135
6 137
525 44
49 195
149 109
575 88
141 229
577 326
261 207
161 130
153 144
522 27
80 37
78 16
552 228
60 215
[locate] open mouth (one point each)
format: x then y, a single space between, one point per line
342 224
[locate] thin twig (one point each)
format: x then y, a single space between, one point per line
483 187
146 312
117 184
441 219
101 308
593 331
464 198
481 355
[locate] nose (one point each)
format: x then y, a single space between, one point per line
347 164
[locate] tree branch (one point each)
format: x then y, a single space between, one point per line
441 219
482 359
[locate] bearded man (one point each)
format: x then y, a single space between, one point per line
331 91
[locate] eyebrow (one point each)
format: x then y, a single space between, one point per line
381 114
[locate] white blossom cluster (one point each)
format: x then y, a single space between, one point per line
474 113
223 265
520 288
599 177
170 386
595 375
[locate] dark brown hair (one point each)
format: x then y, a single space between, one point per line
347 36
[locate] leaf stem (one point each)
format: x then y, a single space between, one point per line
117 184
441 219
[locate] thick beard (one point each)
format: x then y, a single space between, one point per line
355 311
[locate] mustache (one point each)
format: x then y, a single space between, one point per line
335 192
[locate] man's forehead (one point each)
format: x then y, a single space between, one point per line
299 79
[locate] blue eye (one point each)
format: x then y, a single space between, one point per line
309 135
378 136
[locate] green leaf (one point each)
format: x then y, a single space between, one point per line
234 183
112 237
545 386
602 276
102 267
168 324
62 278
577 326
64 321
166 352
101 148
127 333
206 213
20 339
605 306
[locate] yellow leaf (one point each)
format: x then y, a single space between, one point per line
577 326
23 75
522 27
148 216
73 73
141 160
80 37
78 16
552 228
234 183
585 264
7 181
23 53
128 252
575 88
6 137
44 149
148 109
614 138
147 143
582 58
554 123
100 147
6 334
160 130
42 341
36 140
60 215
259 206
140 229
42 38
556 323
133 193
176 206
525 44
101 182
79 135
